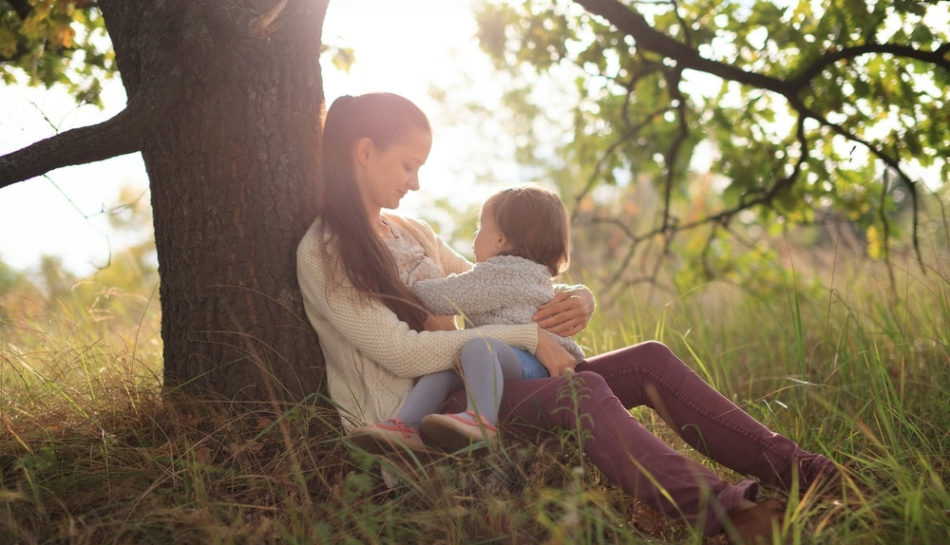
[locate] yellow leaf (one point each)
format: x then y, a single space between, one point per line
66 35
875 244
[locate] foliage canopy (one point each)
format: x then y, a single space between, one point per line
803 109
56 41
65 42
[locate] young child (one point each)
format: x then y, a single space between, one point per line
523 240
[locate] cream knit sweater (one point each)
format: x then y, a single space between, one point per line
372 357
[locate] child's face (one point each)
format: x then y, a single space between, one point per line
489 240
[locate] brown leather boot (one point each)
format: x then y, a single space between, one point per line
756 524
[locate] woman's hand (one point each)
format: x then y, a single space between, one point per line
568 313
553 356
440 323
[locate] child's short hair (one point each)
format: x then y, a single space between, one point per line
535 222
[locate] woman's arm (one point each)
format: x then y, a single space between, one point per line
375 330
445 322
553 356
568 312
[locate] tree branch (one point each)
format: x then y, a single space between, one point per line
882 215
935 57
22 8
118 136
592 179
152 86
673 78
891 162
631 22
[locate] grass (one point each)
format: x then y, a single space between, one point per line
90 452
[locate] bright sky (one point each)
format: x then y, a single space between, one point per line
407 47
404 47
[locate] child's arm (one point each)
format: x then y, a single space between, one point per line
487 286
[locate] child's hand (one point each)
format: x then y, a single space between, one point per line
553 356
440 323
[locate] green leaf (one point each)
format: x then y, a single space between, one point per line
627 105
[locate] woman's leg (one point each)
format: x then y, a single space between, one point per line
625 452
650 374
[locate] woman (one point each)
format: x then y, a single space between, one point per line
353 266
523 240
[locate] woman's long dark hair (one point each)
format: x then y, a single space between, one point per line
386 119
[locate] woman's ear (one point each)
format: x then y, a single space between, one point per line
364 151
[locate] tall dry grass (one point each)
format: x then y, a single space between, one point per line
91 452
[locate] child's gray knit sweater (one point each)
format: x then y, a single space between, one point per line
504 290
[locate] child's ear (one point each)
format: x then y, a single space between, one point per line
501 242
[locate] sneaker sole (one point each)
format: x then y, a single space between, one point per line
380 446
453 434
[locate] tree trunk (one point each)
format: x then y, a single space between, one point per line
233 167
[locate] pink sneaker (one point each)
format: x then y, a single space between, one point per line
391 436
457 432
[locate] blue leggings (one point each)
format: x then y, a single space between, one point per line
487 364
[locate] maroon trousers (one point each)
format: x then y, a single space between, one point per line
595 401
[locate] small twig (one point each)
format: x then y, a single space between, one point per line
886 228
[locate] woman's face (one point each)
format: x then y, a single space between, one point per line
385 176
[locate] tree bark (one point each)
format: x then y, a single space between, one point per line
233 167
